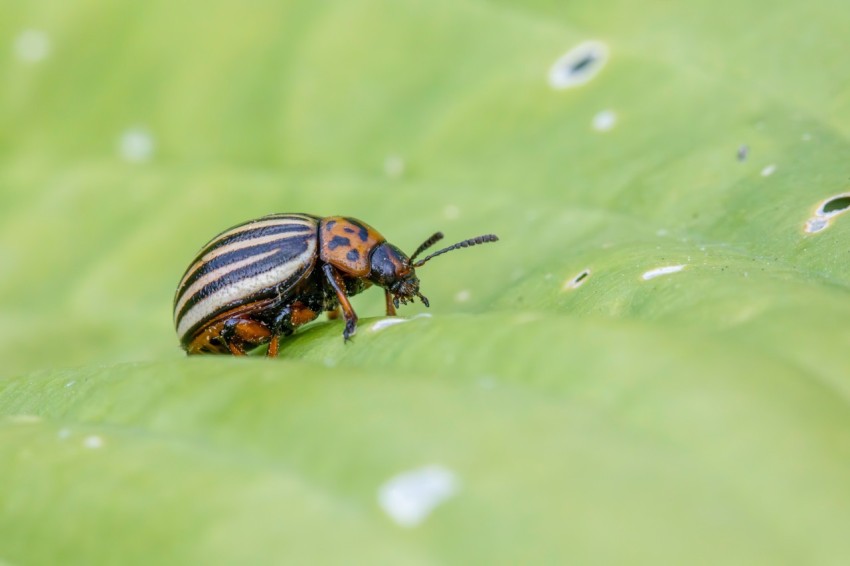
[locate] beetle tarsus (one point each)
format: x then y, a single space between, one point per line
350 329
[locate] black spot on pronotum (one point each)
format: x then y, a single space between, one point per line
338 241
578 65
353 255
330 225
364 233
836 205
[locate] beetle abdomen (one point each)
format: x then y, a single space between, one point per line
247 263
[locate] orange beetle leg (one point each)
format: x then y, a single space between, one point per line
274 346
237 333
338 286
390 305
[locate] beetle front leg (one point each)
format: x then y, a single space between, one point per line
338 286
390 306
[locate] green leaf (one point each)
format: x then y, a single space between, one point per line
650 366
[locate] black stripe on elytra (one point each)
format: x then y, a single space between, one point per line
338 241
364 232
353 255
251 233
240 254
287 253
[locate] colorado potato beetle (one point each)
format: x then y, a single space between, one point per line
261 279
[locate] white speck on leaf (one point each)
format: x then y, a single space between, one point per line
604 121
410 497
32 46
451 212
93 442
64 433
394 166
816 225
768 170
659 271
387 322
70 383
136 145
578 65
462 296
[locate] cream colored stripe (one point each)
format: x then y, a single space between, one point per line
218 273
238 245
243 288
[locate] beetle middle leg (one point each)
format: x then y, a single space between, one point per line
338 286
285 322
239 333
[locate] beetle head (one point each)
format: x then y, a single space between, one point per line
394 271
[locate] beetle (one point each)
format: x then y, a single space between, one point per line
261 279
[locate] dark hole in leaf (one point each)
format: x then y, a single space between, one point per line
578 65
836 204
583 63
577 281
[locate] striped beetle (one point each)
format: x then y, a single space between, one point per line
259 280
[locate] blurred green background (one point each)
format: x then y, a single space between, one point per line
693 415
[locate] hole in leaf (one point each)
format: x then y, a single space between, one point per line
831 207
835 205
578 65
577 281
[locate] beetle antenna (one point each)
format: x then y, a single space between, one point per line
464 244
436 237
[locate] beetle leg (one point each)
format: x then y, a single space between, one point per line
280 325
390 306
228 334
338 286
274 346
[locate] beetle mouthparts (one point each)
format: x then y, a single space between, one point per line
406 292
